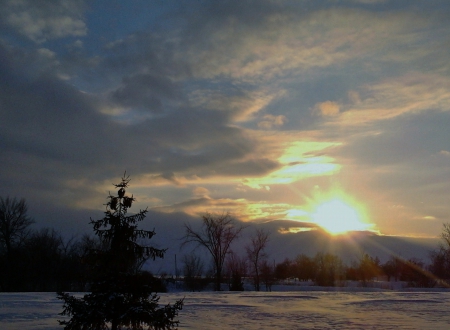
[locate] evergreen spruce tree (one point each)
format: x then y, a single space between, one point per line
121 296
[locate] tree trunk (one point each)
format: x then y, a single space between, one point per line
218 279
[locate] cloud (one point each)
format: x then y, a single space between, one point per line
41 20
241 208
327 108
370 2
48 124
391 98
146 92
271 121
201 192
239 104
288 40
209 107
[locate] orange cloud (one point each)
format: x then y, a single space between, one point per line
271 121
327 109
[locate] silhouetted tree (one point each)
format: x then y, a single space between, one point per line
43 260
193 272
304 267
440 258
392 268
329 269
440 264
368 268
71 271
14 223
284 269
120 295
216 235
236 269
267 274
256 254
416 274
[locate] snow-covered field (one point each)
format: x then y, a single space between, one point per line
265 310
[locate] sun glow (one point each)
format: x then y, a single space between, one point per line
338 217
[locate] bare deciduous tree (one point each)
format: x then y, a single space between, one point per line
445 235
440 258
255 253
193 271
236 268
14 221
267 274
216 235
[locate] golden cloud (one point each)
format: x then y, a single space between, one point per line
412 93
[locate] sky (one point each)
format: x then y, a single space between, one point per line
332 113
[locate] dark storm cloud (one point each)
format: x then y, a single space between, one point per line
50 126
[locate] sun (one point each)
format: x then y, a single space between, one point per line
338 217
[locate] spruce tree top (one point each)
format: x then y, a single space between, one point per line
120 231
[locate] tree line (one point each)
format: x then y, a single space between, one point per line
217 234
43 260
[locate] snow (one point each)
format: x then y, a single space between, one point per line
326 308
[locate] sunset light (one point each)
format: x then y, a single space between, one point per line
299 115
270 145
337 213
337 217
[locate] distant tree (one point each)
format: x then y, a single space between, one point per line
193 272
121 295
330 269
267 274
72 272
367 268
284 269
216 235
445 235
415 273
14 223
440 258
304 267
256 254
351 272
43 260
236 269
440 264
392 268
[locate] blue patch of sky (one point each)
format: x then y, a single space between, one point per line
111 20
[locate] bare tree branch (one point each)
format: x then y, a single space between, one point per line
255 254
14 221
216 235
